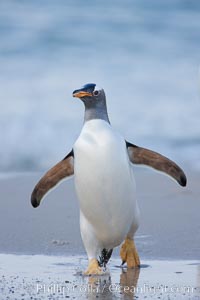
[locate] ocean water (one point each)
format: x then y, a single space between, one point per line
145 54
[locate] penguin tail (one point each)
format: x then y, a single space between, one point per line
104 257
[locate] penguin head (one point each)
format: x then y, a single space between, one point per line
90 94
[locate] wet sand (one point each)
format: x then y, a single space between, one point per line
55 277
169 228
168 240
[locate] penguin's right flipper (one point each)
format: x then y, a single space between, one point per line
55 175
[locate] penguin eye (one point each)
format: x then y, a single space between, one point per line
96 93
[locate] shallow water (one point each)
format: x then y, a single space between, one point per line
53 277
145 54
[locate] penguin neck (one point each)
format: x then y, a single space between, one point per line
96 111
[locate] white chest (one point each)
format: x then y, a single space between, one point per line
103 176
100 152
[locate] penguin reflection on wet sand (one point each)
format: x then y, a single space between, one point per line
101 162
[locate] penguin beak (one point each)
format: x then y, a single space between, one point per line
81 94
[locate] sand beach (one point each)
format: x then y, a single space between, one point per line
42 255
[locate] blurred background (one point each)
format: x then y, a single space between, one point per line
145 54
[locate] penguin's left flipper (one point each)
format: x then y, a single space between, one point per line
55 175
138 155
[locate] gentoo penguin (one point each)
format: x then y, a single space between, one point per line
101 164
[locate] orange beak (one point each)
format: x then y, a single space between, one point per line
80 94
